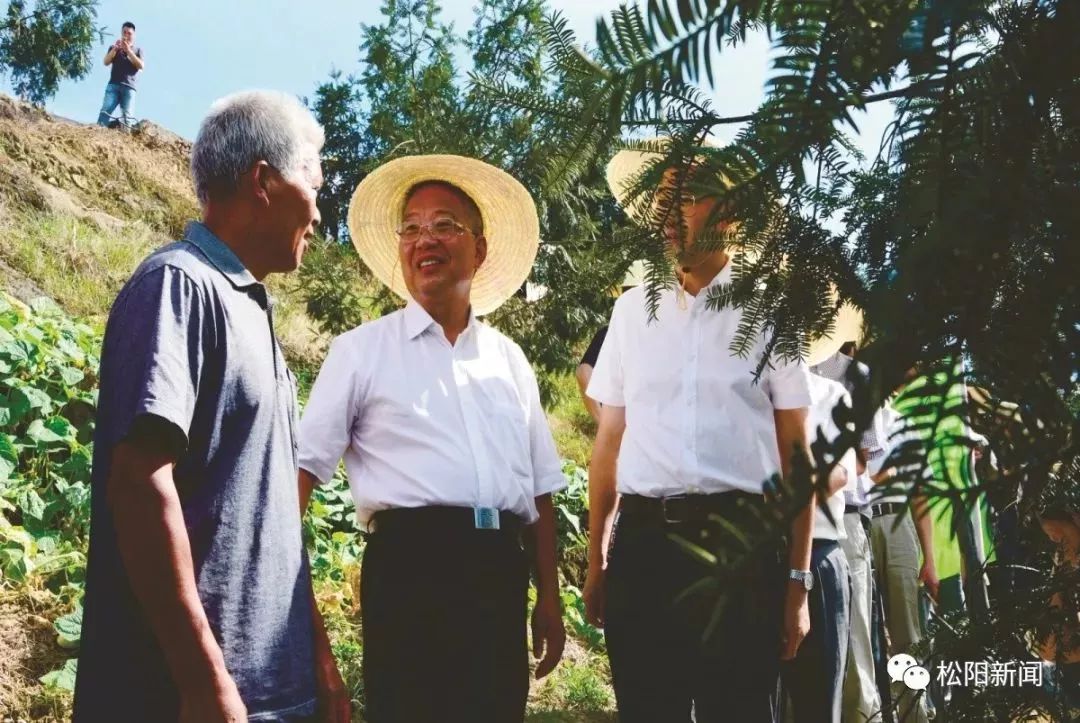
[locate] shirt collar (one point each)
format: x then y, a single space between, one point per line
723 276
417 320
220 255
834 368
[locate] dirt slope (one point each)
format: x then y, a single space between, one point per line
94 174
80 206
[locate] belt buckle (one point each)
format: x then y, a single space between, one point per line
669 519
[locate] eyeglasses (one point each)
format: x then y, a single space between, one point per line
687 204
441 229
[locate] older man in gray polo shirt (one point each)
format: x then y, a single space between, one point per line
198 596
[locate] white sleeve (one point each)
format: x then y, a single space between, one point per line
876 443
327 423
606 383
788 384
848 463
546 463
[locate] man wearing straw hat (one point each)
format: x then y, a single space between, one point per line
693 437
448 452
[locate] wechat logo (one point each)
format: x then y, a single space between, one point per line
903 667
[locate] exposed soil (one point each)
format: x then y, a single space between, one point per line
28 650
95 174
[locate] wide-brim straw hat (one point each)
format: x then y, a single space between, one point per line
511 226
625 170
848 326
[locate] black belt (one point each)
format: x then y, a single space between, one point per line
683 509
449 519
888 508
849 509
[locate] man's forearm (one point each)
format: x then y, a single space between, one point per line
592 407
156 552
583 375
802 537
791 440
109 55
602 502
924 526
544 549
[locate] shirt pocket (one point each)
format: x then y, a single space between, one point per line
510 434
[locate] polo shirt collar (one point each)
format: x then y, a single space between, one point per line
417 320
220 255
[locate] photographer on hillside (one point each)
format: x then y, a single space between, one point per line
126 60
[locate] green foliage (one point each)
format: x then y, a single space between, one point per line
48 369
338 291
45 41
64 678
577 686
69 628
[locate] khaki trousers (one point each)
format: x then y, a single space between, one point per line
895 546
861 702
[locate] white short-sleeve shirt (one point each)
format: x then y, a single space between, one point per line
897 432
421 422
825 395
696 421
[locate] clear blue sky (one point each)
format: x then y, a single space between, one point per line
199 50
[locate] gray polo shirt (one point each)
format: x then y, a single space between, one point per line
190 341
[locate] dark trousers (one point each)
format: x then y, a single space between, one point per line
661 660
814 680
444 625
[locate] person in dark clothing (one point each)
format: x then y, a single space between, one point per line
198 605
126 60
585 370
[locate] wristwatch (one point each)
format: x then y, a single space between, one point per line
803 576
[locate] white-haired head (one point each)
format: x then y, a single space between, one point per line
247 127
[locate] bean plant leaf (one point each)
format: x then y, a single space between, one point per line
72 376
31 505
9 457
69 629
24 399
43 435
62 678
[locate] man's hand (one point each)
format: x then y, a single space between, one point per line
928 577
595 595
333 697
548 634
218 703
796 621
